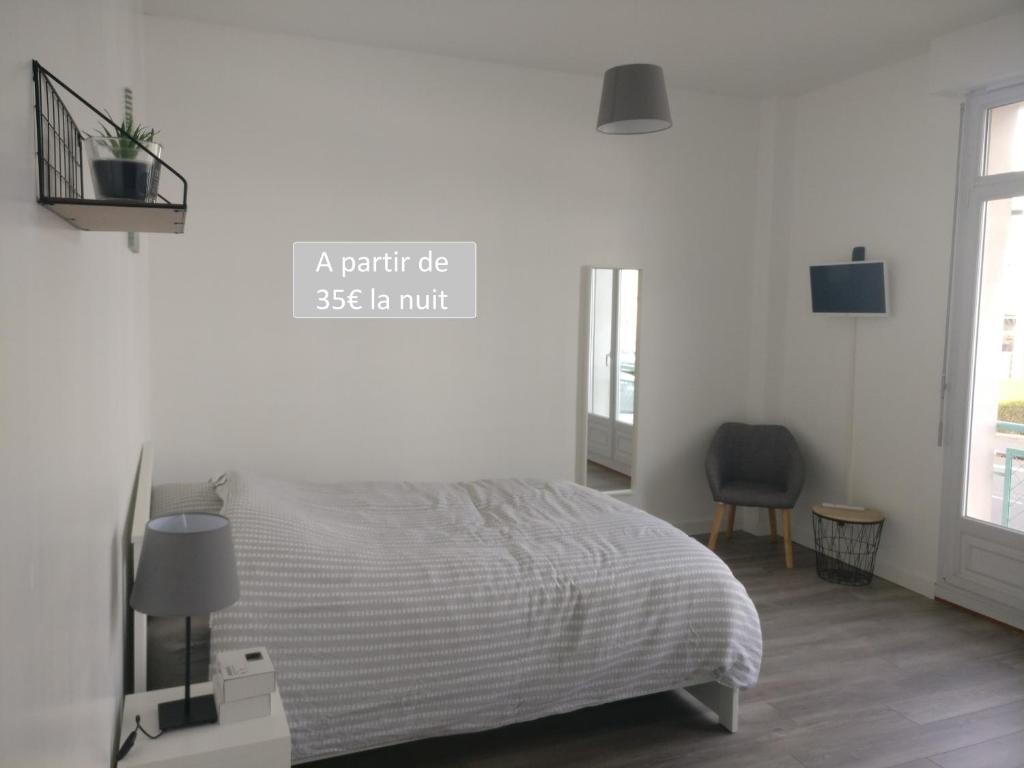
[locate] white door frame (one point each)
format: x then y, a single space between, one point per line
968 547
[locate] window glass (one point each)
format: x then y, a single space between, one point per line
600 398
995 486
1004 147
629 284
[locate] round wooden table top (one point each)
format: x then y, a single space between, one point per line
846 515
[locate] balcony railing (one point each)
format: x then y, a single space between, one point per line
1013 476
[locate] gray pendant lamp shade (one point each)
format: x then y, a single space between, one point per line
187 566
634 100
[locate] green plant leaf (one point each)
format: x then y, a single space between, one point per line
122 140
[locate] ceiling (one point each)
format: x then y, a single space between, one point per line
739 47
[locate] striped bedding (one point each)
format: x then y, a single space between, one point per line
400 611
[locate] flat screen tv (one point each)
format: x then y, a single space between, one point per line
850 288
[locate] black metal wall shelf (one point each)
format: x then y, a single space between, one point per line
61 180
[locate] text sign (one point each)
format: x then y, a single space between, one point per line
384 280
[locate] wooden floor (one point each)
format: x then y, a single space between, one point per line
602 478
872 677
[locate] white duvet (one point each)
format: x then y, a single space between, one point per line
399 611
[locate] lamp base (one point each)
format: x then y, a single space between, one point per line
201 711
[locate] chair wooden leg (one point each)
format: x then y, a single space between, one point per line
716 525
786 538
732 520
771 522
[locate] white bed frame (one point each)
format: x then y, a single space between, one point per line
723 700
139 518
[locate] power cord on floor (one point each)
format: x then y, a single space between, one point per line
130 741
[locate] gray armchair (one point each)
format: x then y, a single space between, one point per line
752 465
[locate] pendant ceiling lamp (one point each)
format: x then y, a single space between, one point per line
634 100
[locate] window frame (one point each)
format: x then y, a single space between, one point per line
974 190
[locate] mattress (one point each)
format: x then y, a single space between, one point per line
401 611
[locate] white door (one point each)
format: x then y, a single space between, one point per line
982 556
611 391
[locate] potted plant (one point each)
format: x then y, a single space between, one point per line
120 169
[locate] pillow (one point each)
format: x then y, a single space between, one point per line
185 498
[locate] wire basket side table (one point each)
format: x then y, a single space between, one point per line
846 543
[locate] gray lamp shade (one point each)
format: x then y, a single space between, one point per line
187 566
634 100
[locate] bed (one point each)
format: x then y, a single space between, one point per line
401 611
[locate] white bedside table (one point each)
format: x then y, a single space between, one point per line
263 742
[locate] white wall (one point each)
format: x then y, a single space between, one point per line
73 411
979 56
870 161
284 138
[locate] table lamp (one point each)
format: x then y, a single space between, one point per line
187 568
